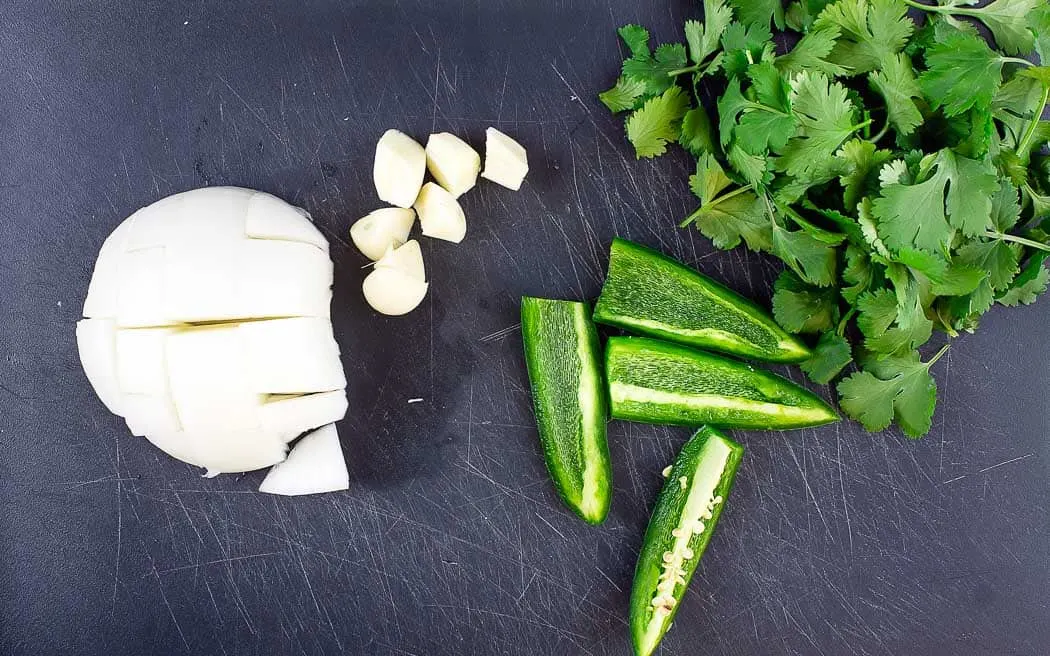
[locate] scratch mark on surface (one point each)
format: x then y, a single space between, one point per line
254 112
164 596
120 524
339 56
220 561
434 110
500 334
606 577
470 417
1005 462
540 517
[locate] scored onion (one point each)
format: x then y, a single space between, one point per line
207 327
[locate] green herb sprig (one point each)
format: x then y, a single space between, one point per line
896 166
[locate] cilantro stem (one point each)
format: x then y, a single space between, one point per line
862 124
1017 240
679 71
711 203
1026 140
944 349
1016 60
934 8
959 11
881 133
841 331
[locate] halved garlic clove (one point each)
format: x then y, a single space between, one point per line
407 259
440 215
505 160
377 231
392 291
399 168
453 163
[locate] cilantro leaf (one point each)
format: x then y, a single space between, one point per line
770 87
730 106
657 122
871 32
847 225
914 215
655 71
727 219
830 356
802 308
876 311
811 52
825 118
864 162
1039 23
703 38
1006 19
958 280
1006 207
897 84
636 38
866 219
962 72
998 258
801 14
696 132
858 272
766 124
745 45
922 263
903 390
910 326
624 95
1029 284
812 259
759 12
710 179
754 168
761 131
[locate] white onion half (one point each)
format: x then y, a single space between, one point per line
202 308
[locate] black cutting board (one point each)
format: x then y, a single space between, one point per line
450 540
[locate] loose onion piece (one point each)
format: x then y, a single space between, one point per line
505 160
203 307
315 465
399 167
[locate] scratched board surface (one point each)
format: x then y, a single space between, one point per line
450 540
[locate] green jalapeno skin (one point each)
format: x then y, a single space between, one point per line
680 529
650 294
563 356
662 383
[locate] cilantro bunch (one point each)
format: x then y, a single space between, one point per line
895 165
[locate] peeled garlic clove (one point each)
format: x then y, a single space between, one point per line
407 259
393 292
399 167
505 160
377 231
440 215
453 163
